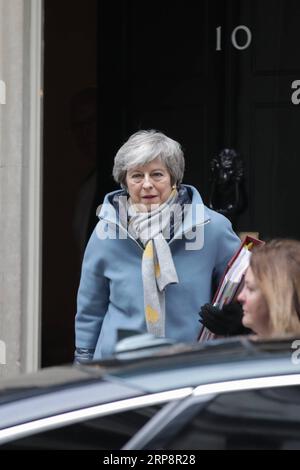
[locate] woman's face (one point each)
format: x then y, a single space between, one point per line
149 185
255 309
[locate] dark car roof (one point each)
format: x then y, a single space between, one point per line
224 359
217 352
180 366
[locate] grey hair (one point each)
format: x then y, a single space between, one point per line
143 147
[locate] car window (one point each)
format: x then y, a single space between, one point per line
266 418
107 432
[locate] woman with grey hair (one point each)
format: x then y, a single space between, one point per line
154 255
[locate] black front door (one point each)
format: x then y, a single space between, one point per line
212 75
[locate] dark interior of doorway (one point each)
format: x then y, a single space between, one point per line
70 80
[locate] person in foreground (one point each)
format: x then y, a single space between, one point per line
270 296
154 255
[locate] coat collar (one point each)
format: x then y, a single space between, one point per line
196 214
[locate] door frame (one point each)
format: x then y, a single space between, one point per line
32 188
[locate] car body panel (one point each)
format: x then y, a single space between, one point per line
163 390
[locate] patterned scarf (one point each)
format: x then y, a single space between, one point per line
152 229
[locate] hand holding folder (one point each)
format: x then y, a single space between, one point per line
230 286
224 322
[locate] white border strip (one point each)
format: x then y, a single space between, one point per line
39 425
247 384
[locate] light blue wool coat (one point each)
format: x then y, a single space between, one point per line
110 295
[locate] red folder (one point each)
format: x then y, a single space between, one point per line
228 290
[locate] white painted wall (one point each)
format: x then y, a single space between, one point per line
20 184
